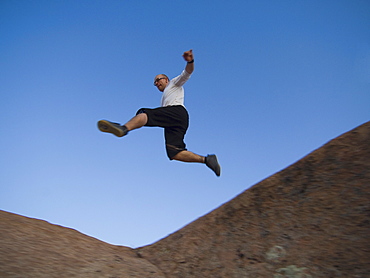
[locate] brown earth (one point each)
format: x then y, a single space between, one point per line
309 220
35 248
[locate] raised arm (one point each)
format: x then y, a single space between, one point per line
189 58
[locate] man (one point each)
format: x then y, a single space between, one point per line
172 116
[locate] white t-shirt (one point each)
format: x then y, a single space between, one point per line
173 94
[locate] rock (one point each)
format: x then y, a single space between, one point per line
309 220
35 248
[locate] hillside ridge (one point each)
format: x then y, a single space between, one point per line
311 219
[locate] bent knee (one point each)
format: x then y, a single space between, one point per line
172 151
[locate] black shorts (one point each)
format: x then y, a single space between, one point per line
174 120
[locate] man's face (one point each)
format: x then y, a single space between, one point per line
160 81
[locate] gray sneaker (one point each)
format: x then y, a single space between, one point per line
114 128
212 163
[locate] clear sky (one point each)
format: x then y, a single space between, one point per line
273 81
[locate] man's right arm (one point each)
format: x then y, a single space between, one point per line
189 58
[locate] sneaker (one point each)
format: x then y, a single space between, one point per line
114 128
212 163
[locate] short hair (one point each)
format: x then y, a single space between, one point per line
164 76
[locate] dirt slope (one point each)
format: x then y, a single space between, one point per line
35 248
310 220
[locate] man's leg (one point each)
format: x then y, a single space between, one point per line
209 160
187 156
121 130
136 122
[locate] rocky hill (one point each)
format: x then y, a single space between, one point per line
35 248
309 220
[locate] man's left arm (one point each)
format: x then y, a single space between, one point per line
189 58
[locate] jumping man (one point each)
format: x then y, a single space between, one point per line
172 116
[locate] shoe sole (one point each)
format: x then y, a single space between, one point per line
108 127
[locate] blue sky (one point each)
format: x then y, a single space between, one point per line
273 81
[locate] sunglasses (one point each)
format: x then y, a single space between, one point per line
157 79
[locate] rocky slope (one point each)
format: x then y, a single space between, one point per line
35 248
310 220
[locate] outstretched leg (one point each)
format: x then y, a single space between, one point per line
136 122
121 130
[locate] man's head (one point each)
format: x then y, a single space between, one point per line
161 81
